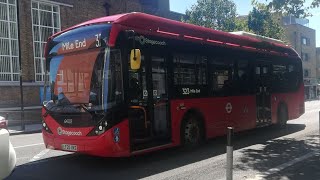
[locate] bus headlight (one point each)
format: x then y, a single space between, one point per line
46 128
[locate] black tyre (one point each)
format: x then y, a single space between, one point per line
192 132
282 116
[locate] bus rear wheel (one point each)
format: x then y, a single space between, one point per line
192 132
282 116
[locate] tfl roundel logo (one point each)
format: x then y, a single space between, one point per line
229 108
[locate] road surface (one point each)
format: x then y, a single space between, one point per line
266 153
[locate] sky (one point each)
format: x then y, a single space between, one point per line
243 8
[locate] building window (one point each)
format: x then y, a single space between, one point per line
9 47
306 72
107 8
305 41
45 22
305 56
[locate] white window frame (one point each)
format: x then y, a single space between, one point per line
304 40
11 72
41 41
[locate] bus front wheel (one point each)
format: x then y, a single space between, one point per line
192 131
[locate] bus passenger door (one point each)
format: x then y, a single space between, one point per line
159 104
263 95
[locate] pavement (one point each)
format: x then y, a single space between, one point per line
308 169
265 153
31 118
29 128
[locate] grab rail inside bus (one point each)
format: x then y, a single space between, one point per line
145 114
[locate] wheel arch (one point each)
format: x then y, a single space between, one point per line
200 117
284 105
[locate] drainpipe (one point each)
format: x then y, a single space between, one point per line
20 66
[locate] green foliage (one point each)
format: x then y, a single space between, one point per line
215 14
315 3
262 22
242 24
290 7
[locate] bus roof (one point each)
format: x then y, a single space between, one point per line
179 30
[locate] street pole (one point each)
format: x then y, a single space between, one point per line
229 154
20 74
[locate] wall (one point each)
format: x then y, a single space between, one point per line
294 33
318 64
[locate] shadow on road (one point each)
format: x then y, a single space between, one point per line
87 167
273 153
308 169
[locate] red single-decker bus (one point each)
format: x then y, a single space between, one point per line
133 83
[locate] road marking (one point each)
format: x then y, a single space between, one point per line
22 158
63 156
40 155
17 147
283 166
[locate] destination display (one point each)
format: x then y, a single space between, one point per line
95 36
191 91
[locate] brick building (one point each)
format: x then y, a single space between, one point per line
318 70
303 40
318 63
25 26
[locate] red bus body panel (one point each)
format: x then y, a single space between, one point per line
293 100
216 117
102 145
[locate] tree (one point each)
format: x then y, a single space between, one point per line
215 14
262 22
294 8
241 23
315 3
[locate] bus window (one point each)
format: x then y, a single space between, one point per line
293 75
242 77
137 83
286 77
279 80
184 69
115 84
202 70
222 76
190 69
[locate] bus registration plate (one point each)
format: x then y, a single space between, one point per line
69 147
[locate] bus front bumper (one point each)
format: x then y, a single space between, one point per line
105 145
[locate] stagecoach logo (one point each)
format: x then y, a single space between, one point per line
68 133
143 40
229 108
